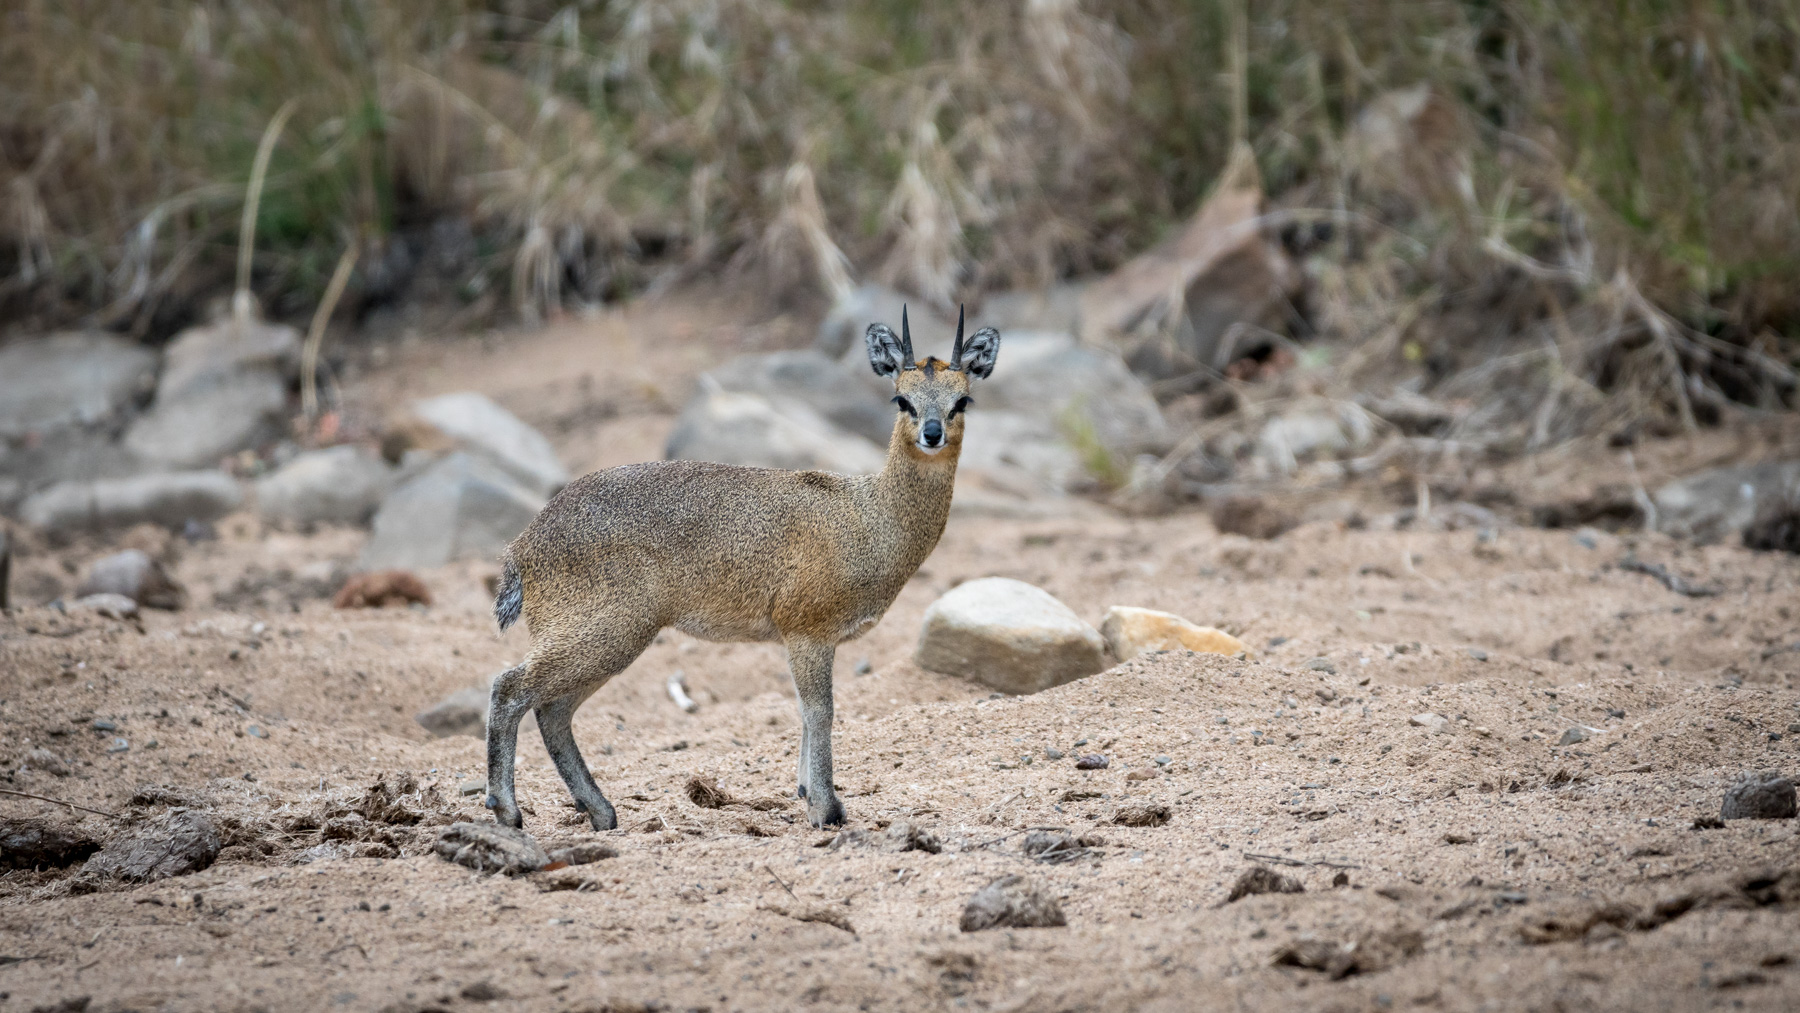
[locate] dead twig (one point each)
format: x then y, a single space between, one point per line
1323 863
1672 581
59 801
783 882
677 687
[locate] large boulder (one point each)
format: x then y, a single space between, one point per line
750 429
1009 635
1713 505
62 400
1057 308
206 424
224 387
169 499
462 507
841 332
1219 271
336 485
484 429
845 393
75 379
1079 394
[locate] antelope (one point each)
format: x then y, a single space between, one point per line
727 553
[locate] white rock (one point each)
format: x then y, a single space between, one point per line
168 499
336 485
112 606
459 508
486 430
1429 721
1130 632
1009 635
1714 505
752 430
135 575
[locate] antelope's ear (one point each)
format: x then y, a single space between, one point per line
886 356
979 353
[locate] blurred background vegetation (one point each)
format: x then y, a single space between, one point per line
1603 178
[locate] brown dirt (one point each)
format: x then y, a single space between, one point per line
1487 866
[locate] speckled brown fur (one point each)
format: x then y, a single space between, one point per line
726 553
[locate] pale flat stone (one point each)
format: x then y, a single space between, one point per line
1130 632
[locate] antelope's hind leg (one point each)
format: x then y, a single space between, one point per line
507 705
553 721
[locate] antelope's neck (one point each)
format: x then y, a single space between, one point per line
914 490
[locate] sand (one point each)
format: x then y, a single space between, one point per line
1472 862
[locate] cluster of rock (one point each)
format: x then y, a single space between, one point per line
98 432
1019 638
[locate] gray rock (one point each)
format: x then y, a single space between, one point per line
174 844
1057 308
841 332
463 712
336 485
490 847
170 499
1322 664
459 508
200 357
1714 505
1077 393
135 575
1009 635
1572 736
1759 796
46 761
1327 430
208 421
112 606
1012 902
72 379
749 429
846 394
487 431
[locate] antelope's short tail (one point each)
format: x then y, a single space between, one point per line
511 594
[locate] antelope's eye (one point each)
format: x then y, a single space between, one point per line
906 406
961 403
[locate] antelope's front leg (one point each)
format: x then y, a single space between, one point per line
810 663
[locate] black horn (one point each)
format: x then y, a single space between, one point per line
905 338
956 350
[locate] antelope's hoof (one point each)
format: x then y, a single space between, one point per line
825 811
507 815
603 817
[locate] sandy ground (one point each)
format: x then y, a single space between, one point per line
1486 866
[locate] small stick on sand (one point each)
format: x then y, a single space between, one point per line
58 801
678 692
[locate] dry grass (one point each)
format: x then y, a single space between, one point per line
1612 206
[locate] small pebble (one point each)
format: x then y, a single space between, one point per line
105 726
472 788
863 667
1053 753
1573 735
256 732
118 746
1092 761
1322 665
1478 654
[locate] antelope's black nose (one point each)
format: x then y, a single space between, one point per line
933 431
